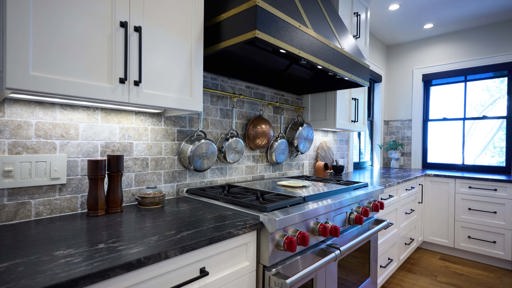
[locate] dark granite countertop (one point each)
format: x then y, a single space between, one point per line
387 177
75 250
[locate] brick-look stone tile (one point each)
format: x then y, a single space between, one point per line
55 206
31 147
148 119
82 202
3 147
116 117
250 170
175 176
217 172
3 193
161 163
56 131
77 114
17 109
2 109
30 193
133 134
123 148
169 148
91 132
15 211
128 180
16 129
148 149
73 168
74 186
176 121
161 134
136 164
76 149
148 179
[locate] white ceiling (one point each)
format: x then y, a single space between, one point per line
406 23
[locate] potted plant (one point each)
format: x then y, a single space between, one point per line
394 149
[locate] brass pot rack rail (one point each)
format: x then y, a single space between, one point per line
235 96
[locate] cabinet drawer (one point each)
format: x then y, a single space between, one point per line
390 197
484 188
228 261
408 240
391 216
485 240
408 188
387 263
408 210
495 212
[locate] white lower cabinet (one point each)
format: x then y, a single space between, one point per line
231 263
438 210
484 240
408 240
388 261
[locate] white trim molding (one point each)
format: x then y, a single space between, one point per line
417 97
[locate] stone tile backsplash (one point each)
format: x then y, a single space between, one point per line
150 143
400 130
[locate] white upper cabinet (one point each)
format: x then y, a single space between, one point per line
339 110
80 50
356 15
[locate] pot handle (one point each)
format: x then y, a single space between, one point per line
233 133
200 133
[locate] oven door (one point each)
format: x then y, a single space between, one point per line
347 261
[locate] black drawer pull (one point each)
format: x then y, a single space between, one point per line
202 273
387 198
124 25
138 29
483 240
486 189
484 211
387 264
410 212
389 225
410 189
410 242
421 201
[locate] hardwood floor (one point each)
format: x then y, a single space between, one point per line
429 269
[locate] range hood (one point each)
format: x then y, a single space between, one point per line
296 46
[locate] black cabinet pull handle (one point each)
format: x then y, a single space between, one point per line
387 198
202 273
355 110
138 29
484 211
410 242
483 240
387 264
410 212
124 25
389 225
358 25
410 189
486 189
421 201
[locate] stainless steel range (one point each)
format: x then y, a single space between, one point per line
317 232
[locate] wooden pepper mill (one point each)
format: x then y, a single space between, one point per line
114 199
96 169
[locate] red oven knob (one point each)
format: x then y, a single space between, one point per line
381 204
302 238
287 243
364 211
374 206
334 230
355 219
321 229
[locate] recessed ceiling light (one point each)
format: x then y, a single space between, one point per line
319 67
282 50
393 7
428 26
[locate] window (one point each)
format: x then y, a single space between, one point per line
363 148
467 119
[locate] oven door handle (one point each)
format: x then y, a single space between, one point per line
279 280
355 243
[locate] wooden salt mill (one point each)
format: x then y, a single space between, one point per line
114 198
96 169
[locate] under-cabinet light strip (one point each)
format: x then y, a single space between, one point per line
81 103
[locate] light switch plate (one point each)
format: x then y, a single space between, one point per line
32 170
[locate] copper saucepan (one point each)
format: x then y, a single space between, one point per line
258 133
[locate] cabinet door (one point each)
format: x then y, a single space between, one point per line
361 26
66 47
171 69
438 210
351 109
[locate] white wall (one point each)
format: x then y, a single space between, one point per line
482 42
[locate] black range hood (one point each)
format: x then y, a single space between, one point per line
296 46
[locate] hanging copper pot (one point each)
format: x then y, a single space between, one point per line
258 133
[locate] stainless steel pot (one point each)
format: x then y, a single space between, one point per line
230 146
278 150
258 133
197 152
300 136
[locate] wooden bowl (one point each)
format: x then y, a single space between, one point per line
150 199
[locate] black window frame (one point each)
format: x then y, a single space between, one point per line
427 83
370 124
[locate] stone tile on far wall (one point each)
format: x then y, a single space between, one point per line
30 193
74 186
79 149
16 129
3 147
218 172
93 132
2 109
161 134
19 109
117 117
148 149
128 180
31 147
161 163
15 211
3 193
78 114
56 131
136 164
148 119
73 168
56 206
116 148
140 134
148 179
